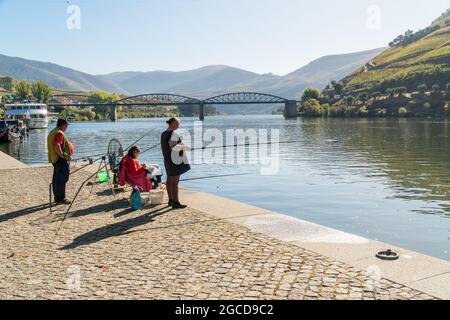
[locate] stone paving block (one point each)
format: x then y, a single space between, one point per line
106 251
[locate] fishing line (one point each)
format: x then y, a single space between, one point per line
75 197
152 147
151 131
217 176
246 145
101 155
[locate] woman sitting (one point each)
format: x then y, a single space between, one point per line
133 173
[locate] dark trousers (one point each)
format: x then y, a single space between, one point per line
61 171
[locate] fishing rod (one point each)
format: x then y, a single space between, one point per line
217 176
101 167
246 145
151 148
75 197
151 131
88 164
101 155
88 157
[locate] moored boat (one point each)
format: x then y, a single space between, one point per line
34 114
12 131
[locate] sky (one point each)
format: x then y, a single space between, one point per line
263 36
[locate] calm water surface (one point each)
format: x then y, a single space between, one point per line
387 180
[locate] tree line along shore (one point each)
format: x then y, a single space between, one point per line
396 102
38 91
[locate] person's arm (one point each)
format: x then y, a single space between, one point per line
133 167
176 145
59 140
59 151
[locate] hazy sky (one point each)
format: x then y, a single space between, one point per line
275 36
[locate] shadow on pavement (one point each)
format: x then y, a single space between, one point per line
115 229
26 211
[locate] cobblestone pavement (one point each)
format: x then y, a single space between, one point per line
105 251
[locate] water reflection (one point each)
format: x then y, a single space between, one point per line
383 179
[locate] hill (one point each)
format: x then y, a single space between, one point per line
415 58
55 75
203 82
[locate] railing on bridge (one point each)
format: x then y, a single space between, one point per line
158 99
245 98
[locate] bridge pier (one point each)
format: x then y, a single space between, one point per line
113 113
201 112
290 109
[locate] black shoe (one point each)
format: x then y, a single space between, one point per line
171 203
65 201
177 205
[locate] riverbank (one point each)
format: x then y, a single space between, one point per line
8 162
206 251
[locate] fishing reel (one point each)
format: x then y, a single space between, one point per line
114 155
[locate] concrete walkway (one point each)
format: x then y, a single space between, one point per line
225 250
8 162
425 273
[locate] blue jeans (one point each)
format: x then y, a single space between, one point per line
61 171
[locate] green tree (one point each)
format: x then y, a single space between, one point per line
390 92
41 91
376 94
363 112
363 97
402 112
436 88
7 83
312 108
349 100
422 88
337 111
188 110
22 90
401 91
310 93
103 97
338 88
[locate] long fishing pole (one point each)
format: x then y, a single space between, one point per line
217 176
151 148
86 165
75 197
246 145
151 131
228 146
89 158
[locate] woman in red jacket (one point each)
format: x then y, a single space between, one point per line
133 173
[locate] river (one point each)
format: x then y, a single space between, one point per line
384 179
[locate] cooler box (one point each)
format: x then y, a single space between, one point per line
157 197
145 198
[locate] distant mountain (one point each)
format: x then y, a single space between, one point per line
203 82
53 74
415 58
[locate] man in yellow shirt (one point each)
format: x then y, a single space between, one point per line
60 152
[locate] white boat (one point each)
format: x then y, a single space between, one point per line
35 115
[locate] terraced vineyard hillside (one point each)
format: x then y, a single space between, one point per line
412 59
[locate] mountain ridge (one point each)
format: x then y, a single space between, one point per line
200 82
